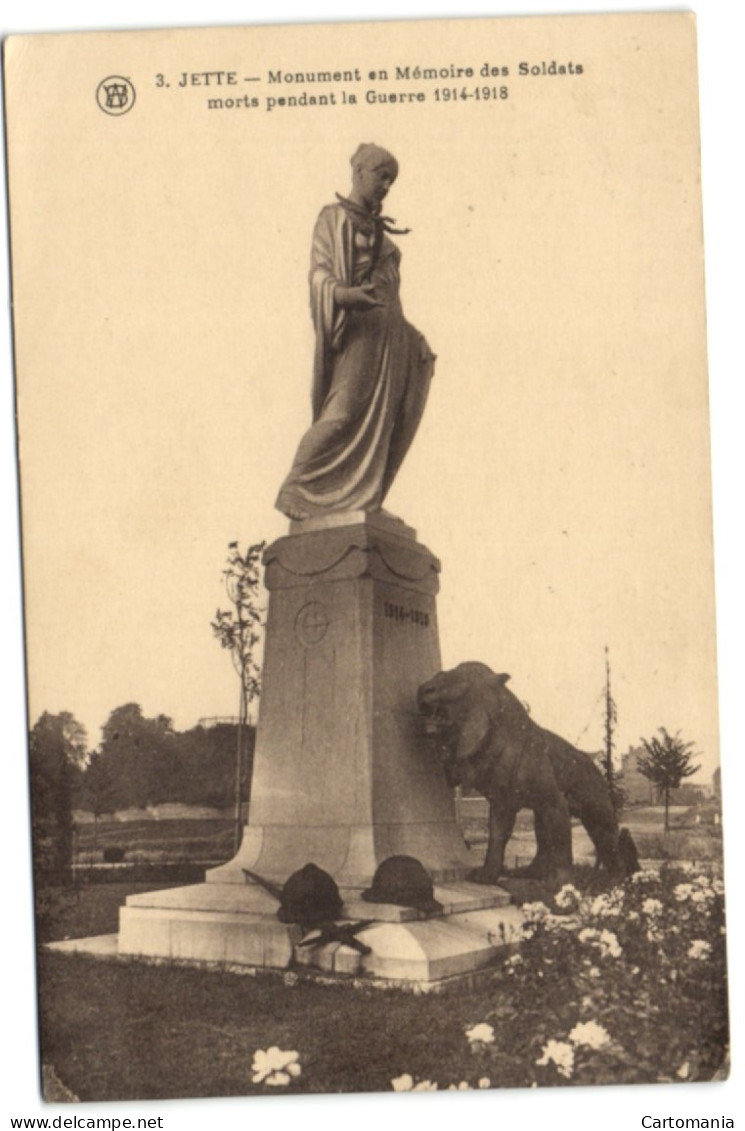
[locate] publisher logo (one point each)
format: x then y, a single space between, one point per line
115 95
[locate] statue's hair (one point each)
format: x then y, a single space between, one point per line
371 155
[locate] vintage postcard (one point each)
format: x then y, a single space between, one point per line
367 552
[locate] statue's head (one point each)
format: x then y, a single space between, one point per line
373 172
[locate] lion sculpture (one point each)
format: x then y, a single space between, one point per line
489 742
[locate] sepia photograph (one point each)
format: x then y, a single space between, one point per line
371 738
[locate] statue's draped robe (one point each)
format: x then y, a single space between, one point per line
371 374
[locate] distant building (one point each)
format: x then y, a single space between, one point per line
638 789
716 784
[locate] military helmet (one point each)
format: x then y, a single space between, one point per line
310 896
403 880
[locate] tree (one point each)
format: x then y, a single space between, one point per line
141 756
97 792
238 630
57 755
665 762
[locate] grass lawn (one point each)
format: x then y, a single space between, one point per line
617 984
117 1031
131 1031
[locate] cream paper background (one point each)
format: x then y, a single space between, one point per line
555 265
164 351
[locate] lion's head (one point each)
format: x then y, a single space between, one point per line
461 707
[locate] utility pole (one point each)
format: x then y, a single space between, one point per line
610 720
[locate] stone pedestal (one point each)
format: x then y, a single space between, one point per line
343 776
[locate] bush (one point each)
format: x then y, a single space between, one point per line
113 854
625 986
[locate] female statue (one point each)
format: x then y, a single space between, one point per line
372 369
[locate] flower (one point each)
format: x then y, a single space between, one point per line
464 1086
588 934
406 1083
605 906
481 1034
560 1054
699 948
646 876
534 912
683 892
274 1066
567 897
609 944
684 1071
606 941
652 907
484 1082
590 1035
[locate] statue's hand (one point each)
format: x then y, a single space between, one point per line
357 298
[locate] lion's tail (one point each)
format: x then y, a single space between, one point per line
627 852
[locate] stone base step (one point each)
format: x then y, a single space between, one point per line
237 925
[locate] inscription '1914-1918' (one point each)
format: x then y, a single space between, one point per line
405 615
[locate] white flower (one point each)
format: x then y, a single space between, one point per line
560 1054
652 907
402 1083
425 1086
593 972
699 949
717 887
515 960
647 876
484 1082
609 944
684 1071
481 1033
274 1066
567 897
534 912
588 934
589 1034
605 906
683 892
464 1086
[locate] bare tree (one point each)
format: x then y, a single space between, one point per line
239 631
665 762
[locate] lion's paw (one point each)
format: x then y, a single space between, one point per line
483 876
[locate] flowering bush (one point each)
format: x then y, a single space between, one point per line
628 985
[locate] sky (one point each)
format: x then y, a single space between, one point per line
541 666
561 471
